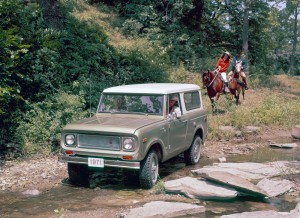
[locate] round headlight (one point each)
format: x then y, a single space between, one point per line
128 144
70 139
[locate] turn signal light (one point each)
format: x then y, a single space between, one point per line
68 152
127 157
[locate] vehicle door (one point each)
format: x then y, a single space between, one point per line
177 124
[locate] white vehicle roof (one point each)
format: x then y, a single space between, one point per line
153 88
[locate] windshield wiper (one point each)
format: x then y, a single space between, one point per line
142 113
118 112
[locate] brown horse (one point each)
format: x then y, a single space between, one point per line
214 86
235 84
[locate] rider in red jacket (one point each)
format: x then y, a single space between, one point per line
222 65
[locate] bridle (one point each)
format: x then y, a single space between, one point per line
213 78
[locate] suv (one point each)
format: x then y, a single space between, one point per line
137 127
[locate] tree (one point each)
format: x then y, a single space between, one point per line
246 26
293 7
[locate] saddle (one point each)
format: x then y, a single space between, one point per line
241 83
236 76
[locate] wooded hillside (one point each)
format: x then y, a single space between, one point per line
56 56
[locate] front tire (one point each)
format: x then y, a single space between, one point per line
78 174
192 155
149 170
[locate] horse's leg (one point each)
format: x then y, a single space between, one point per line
231 96
218 96
243 93
213 105
237 96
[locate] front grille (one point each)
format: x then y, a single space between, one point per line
99 142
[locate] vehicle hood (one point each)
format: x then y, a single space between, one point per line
110 124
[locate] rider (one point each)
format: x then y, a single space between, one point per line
239 57
222 65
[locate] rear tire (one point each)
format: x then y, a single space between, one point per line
192 155
78 174
149 170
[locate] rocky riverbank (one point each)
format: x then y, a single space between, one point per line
28 174
46 172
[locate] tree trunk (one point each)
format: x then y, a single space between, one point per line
51 13
293 54
199 7
246 27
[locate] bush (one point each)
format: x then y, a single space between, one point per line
180 75
131 27
276 110
39 131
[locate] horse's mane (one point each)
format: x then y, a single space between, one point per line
206 72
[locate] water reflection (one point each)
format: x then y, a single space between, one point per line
267 154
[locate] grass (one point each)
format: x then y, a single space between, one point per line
105 17
263 107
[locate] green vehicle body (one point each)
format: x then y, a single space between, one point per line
126 139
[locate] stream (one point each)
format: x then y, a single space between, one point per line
113 190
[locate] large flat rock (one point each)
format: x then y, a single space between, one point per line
263 214
197 188
285 145
236 182
275 187
253 171
296 132
164 209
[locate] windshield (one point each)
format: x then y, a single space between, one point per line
131 103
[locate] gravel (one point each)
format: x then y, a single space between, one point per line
39 173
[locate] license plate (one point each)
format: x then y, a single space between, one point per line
95 162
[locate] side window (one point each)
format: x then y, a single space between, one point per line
192 100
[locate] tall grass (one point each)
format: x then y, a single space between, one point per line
264 108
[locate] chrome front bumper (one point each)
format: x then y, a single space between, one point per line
107 163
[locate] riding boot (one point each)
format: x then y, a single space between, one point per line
245 81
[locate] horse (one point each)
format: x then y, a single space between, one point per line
214 86
235 84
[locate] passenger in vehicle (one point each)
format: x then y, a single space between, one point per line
174 105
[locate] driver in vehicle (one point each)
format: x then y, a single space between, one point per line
119 104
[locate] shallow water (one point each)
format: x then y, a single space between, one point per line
116 189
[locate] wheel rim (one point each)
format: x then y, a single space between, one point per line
154 168
196 150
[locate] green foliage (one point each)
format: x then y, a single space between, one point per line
38 61
131 27
39 130
18 31
41 59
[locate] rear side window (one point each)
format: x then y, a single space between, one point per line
192 100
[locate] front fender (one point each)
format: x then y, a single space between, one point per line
157 143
